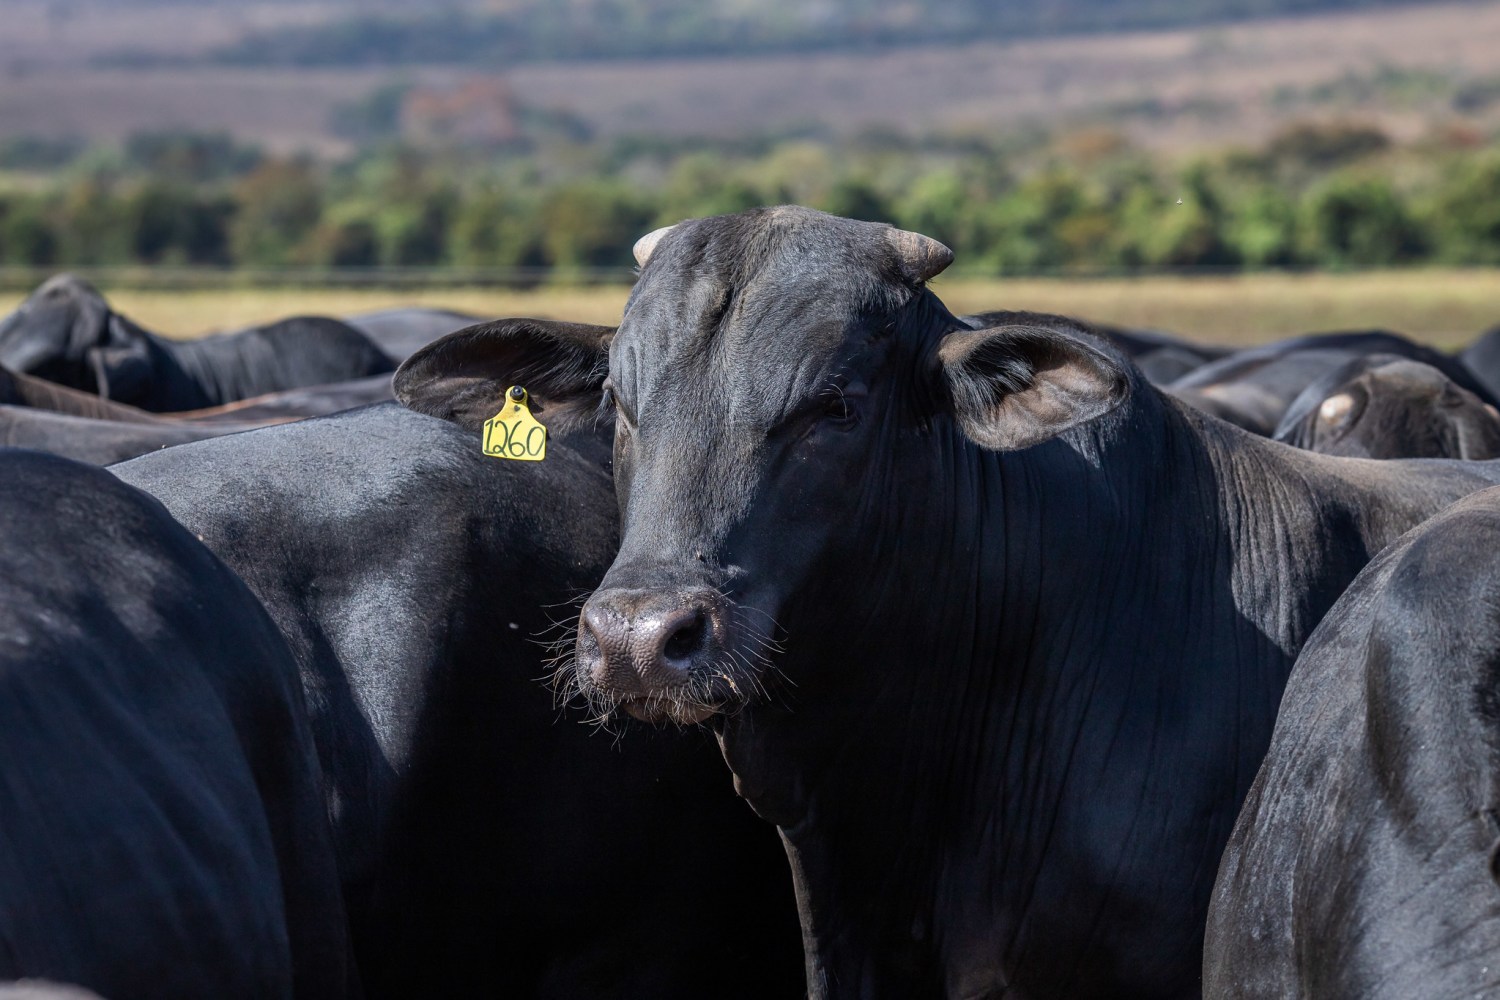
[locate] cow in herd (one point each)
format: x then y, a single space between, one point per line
478 840
1254 388
164 830
66 333
1365 860
1386 406
990 617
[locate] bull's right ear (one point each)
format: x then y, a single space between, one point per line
463 377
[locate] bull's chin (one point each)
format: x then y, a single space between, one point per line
657 711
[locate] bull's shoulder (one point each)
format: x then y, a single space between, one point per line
1367 843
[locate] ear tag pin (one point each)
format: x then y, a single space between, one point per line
513 432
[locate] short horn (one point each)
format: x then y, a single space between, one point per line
647 243
921 257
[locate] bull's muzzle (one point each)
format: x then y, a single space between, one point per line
654 651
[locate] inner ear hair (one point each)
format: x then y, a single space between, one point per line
1017 385
463 377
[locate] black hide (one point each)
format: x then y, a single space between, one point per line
42 415
98 442
162 822
488 845
1383 406
65 332
1365 861
403 331
1482 359
1253 388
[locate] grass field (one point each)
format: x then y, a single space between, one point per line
1447 308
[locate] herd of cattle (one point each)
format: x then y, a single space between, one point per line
1065 660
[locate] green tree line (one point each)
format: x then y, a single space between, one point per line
1314 197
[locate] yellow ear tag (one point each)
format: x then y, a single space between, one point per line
514 432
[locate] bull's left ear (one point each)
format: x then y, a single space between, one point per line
1017 385
463 377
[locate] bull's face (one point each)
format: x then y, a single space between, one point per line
773 376
754 376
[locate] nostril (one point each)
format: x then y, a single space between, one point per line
687 639
591 631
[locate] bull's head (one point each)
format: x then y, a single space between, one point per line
1385 406
780 380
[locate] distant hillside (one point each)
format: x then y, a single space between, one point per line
1415 72
494 35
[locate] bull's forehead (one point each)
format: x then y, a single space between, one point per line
750 314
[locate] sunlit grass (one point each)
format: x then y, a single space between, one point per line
1447 308
1444 307
185 314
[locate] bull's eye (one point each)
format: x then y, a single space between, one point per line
839 409
609 403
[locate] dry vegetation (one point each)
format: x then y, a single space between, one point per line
1169 88
49 32
1175 89
1446 308
1184 88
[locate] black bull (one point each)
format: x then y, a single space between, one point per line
484 843
990 628
1365 860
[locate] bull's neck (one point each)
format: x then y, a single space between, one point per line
199 369
1035 644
